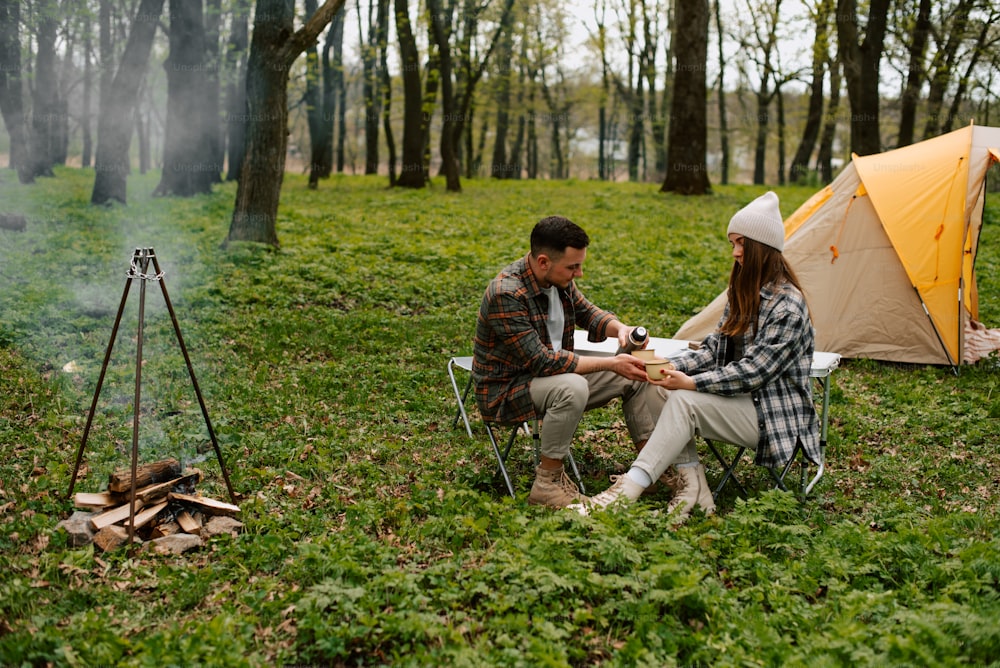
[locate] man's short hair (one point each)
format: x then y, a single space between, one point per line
554 234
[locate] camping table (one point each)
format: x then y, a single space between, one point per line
823 366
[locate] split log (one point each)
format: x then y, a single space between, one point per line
113 516
207 505
160 490
94 500
147 474
147 515
188 523
112 537
168 528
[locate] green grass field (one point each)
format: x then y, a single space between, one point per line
375 532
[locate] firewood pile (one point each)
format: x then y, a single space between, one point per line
169 513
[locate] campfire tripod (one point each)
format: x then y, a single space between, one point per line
141 260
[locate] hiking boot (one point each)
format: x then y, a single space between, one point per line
692 490
667 479
553 488
623 491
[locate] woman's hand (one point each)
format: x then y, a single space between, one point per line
672 379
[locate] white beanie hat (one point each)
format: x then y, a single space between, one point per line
761 221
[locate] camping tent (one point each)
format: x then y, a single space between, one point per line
886 252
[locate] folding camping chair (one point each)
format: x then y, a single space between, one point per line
461 396
823 366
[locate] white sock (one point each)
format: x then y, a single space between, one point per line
639 477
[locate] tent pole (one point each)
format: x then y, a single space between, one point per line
954 367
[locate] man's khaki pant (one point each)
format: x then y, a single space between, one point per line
562 399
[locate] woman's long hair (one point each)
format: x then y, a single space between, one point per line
762 265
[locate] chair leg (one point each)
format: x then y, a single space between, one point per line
460 397
502 456
728 471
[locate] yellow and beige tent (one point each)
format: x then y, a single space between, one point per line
886 253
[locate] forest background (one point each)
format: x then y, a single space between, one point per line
784 91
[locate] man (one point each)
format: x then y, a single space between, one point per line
524 365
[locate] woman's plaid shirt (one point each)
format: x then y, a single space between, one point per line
512 343
774 369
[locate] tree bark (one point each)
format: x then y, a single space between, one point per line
411 170
114 127
273 49
861 69
687 171
45 114
86 117
721 96
799 171
316 113
189 160
386 85
11 96
441 26
914 74
213 93
500 168
236 91
824 159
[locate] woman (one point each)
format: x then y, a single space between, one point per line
748 384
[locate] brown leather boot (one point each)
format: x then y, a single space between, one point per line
692 490
553 488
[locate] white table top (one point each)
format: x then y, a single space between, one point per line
823 363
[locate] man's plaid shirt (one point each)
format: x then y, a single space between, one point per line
773 368
512 343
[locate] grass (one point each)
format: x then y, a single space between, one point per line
374 531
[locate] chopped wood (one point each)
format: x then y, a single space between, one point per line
113 516
160 490
168 528
111 537
147 474
188 523
147 515
207 505
94 500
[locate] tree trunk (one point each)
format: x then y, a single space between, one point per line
383 40
11 92
914 74
45 113
687 172
236 90
861 69
721 97
273 49
499 167
333 93
213 90
824 159
411 170
341 92
370 87
189 166
114 127
86 116
799 171
441 30
316 114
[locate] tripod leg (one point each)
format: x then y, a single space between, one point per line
194 382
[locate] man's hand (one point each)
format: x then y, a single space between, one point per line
630 367
675 380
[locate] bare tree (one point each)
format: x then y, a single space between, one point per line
273 49
687 172
11 98
412 173
115 124
860 61
919 27
235 88
190 165
799 171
